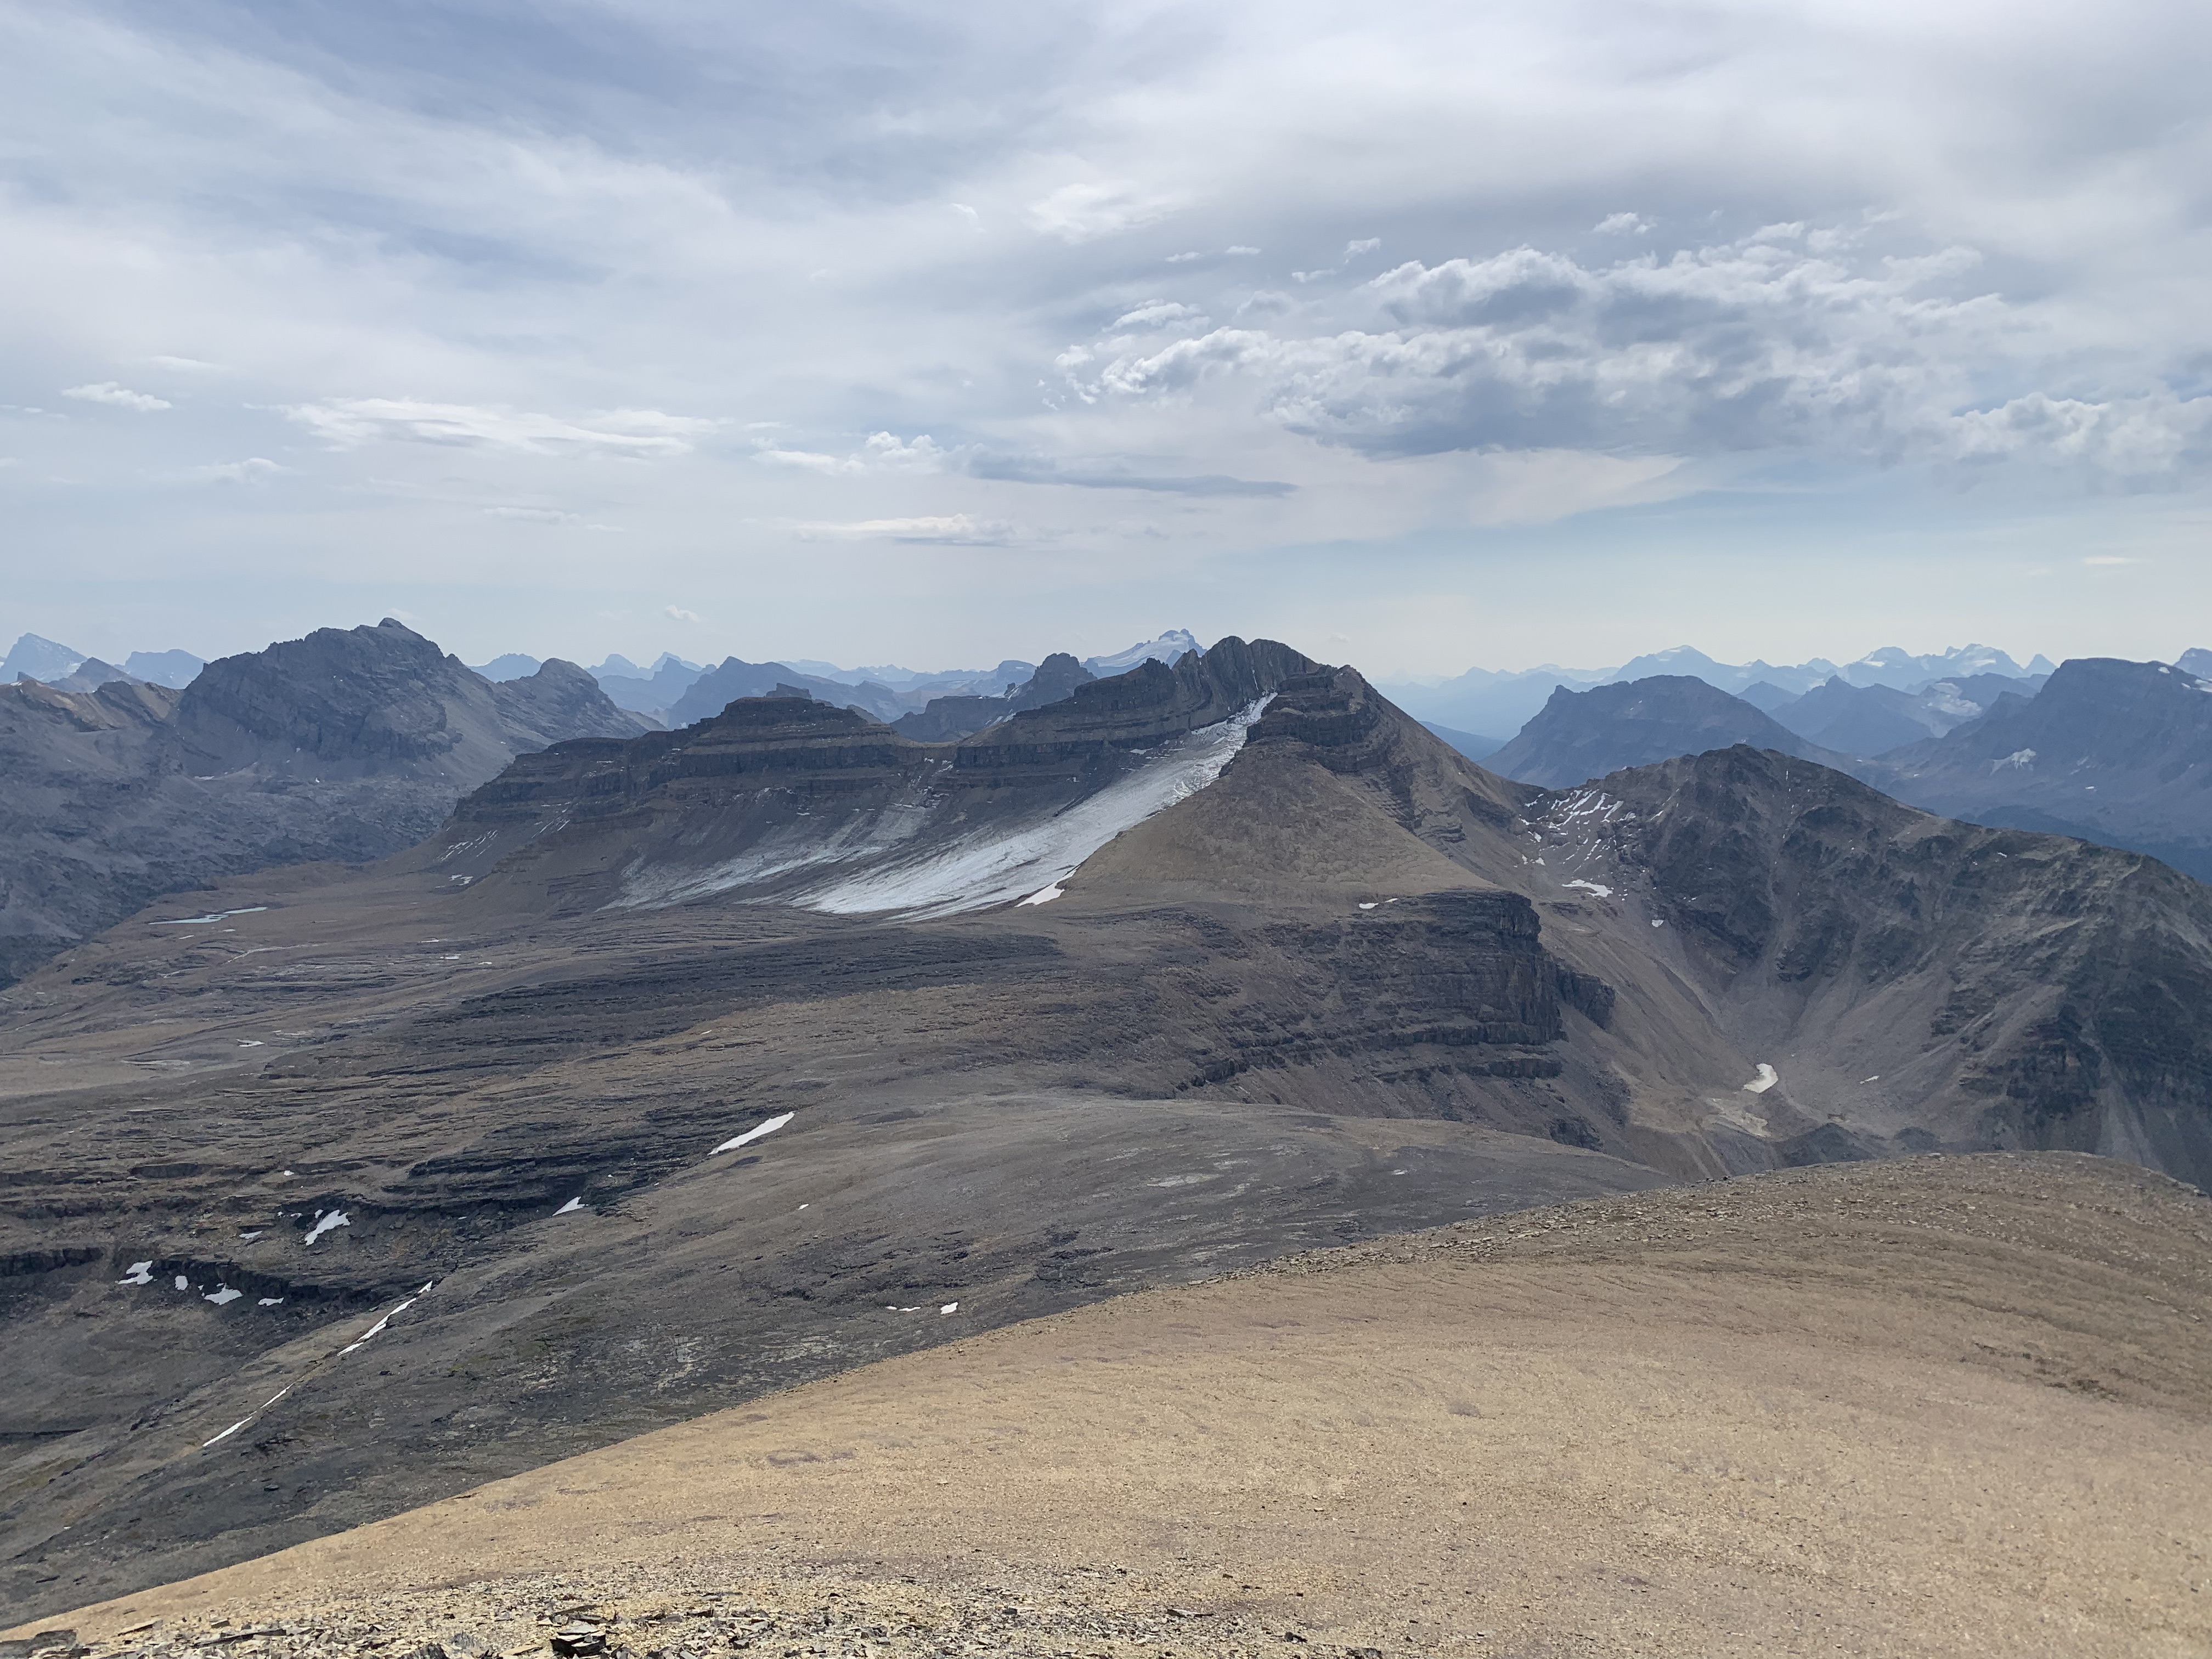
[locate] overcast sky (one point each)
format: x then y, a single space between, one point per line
1418 335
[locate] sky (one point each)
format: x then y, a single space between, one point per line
1420 336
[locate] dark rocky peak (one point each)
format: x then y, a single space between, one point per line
1579 735
1055 678
791 735
947 720
357 701
1333 717
558 703
2114 751
1148 703
64 739
792 738
2102 712
1857 720
91 674
1332 711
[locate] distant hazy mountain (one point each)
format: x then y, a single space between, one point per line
2197 662
919 685
174 669
2111 751
1485 699
90 675
348 744
1472 745
1580 735
1873 720
38 658
512 666
734 678
43 659
647 690
1170 647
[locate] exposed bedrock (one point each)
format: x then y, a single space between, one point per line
1152 701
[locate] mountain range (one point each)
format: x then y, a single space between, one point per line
348 745
676 1067
1488 700
2115 752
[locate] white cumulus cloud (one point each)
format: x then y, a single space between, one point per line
116 397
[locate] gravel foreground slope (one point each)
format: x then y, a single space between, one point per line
1940 1406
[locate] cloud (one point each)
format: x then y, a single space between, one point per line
1044 471
1730 348
1161 313
2103 560
116 397
884 451
532 237
346 422
1083 212
251 469
534 514
958 529
677 613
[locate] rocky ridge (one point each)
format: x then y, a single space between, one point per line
1578 736
347 745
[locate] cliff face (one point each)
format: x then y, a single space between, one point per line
2035 991
347 745
1148 704
948 720
380 702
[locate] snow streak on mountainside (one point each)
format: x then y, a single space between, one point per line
1008 863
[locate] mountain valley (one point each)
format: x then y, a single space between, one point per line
679 1067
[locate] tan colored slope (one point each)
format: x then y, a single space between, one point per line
1276 826
1950 1405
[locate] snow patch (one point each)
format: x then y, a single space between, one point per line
1596 889
142 1273
1367 906
379 1325
572 1205
767 1127
1766 1079
2020 760
222 1294
324 1224
950 1307
271 1302
1045 895
183 1284
997 866
202 921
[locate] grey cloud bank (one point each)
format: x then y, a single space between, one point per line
1419 334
